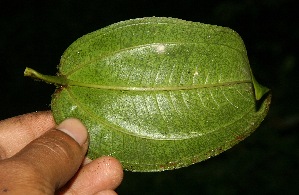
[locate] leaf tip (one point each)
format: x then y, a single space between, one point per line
259 89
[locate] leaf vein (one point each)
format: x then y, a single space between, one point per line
112 53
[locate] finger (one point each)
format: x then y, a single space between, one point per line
48 162
101 175
17 132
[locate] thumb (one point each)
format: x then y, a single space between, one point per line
48 162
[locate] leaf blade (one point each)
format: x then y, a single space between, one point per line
160 93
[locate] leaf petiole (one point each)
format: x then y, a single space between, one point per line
56 80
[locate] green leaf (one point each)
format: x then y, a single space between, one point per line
159 93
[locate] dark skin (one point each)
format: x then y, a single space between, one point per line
39 157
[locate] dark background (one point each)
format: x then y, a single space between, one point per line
35 34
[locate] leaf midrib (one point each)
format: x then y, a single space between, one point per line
158 88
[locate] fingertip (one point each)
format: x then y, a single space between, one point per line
113 168
107 172
103 174
75 129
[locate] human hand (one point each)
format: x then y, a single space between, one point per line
37 158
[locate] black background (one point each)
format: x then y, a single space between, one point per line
35 34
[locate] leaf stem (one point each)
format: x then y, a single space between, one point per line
57 80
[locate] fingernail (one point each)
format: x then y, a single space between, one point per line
74 128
